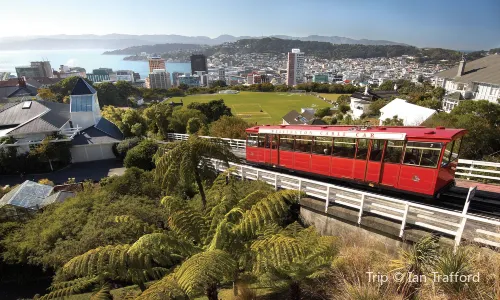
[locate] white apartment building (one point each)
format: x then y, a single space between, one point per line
475 80
159 79
222 74
125 75
295 67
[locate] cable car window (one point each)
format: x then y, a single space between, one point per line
253 140
322 145
422 154
393 152
303 144
456 149
362 149
286 143
262 140
377 150
344 147
272 141
447 153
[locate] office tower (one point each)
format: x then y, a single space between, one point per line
159 79
198 63
295 67
156 63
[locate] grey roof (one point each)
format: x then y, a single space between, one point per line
57 197
28 195
486 70
109 128
5 91
93 136
374 95
55 115
82 88
295 118
27 90
15 114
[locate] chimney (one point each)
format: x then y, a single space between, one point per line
461 67
22 81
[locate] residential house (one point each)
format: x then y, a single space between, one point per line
80 122
306 117
16 89
475 80
360 102
411 114
30 197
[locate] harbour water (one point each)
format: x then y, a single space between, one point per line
85 58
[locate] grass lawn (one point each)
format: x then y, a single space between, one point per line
332 97
248 105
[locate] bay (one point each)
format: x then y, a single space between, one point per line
85 58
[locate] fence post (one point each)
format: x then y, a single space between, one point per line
300 187
275 181
460 231
327 202
403 223
242 173
471 169
361 208
257 174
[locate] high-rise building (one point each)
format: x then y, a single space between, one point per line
125 75
198 63
295 67
175 78
159 79
35 69
190 80
222 74
156 63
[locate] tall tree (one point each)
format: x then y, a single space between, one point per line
189 162
213 110
229 127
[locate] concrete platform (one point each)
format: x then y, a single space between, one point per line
490 187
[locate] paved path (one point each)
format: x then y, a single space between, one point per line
80 171
491 187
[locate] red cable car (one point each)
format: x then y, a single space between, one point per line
415 160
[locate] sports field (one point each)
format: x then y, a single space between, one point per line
260 108
331 97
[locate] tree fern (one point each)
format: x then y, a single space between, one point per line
204 270
273 208
102 294
275 251
188 162
188 223
64 289
165 289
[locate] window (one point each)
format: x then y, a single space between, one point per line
447 153
393 152
377 150
343 147
272 141
422 154
262 140
322 145
286 143
303 144
81 103
362 149
253 140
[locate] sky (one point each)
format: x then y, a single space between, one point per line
455 24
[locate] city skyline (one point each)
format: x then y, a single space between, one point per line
446 24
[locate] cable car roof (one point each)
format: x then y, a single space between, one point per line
360 131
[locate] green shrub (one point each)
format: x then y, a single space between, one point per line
141 156
124 146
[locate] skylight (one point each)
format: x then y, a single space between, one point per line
27 104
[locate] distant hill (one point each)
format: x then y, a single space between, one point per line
119 41
274 45
158 48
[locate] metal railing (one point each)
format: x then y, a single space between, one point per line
458 224
469 168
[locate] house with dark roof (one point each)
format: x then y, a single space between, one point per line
80 122
360 101
16 90
306 117
475 80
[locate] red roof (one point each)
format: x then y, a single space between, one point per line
439 133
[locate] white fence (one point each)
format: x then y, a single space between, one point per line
469 168
458 224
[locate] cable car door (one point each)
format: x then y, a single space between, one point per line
374 165
271 151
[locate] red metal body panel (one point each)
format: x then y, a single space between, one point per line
410 178
320 164
342 167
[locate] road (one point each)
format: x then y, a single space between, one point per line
80 171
